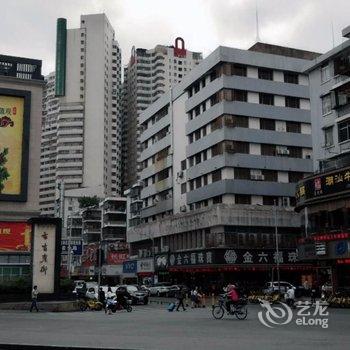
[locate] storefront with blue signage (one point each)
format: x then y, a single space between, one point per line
130 271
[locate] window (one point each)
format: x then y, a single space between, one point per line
291 78
269 175
265 73
240 70
267 124
292 102
239 95
325 73
293 127
270 200
197 135
217 149
242 173
240 147
198 182
217 199
205 180
191 185
198 158
295 176
163 174
344 130
216 176
295 152
328 136
183 165
326 104
268 150
242 199
266 99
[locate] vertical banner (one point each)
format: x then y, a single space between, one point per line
46 247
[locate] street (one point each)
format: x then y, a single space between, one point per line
153 327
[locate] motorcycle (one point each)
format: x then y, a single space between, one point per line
113 305
90 304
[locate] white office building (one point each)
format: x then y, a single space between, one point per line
148 75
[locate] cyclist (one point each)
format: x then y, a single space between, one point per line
232 296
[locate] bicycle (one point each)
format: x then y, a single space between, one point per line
239 309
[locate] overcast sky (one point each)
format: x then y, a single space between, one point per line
27 27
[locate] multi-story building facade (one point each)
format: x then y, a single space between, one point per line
235 132
88 92
48 147
148 75
325 195
21 89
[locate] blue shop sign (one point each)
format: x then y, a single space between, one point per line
76 247
130 266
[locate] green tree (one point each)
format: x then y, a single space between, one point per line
85 202
4 174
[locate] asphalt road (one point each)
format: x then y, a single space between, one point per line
153 327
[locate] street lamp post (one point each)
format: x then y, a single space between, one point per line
100 250
69 246
277 248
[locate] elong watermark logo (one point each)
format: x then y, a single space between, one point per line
282 314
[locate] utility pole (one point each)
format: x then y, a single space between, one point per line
100 250
277 248
69 229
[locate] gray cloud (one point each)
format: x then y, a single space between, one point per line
28 26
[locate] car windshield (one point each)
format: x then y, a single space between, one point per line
132 289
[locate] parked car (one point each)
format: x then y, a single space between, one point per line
134 293
272 287
173 290
160 289
92 291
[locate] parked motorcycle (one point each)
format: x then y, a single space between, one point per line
90 304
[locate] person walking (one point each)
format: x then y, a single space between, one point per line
34 299
180 298
102 297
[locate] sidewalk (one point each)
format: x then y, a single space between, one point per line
50 306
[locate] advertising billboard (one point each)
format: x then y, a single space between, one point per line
15 236
14 143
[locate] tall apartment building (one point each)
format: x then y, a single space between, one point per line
48 157
148 75
219 150
325 195
88 91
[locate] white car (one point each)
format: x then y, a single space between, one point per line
272 287
160 289
92 291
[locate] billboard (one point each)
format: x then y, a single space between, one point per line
75 244
15 236
14 144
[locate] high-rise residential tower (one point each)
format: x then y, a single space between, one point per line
87 151
148 75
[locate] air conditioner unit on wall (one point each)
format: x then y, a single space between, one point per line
180 174
257 177
183 208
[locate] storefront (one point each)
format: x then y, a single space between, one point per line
211 269
324 203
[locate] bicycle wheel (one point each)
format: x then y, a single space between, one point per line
242 312
218 312
129 308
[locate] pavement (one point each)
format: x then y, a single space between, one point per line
152 327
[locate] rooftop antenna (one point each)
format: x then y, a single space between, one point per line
332 34
257 22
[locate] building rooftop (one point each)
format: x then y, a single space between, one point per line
284 51
20 67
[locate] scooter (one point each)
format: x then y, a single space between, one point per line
113 306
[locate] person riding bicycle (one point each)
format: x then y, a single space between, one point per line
231 295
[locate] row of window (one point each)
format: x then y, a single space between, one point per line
229 69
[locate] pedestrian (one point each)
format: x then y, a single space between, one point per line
290 297
109 301
313 294
180 297
102 297
34 299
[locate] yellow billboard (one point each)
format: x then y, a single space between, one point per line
12 134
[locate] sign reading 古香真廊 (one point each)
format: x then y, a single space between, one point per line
14 144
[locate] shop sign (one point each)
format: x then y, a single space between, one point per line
341 247
117 258
227 256
76 247
112 270
320 248
130 266
145 265
15 236
89 257
323 185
